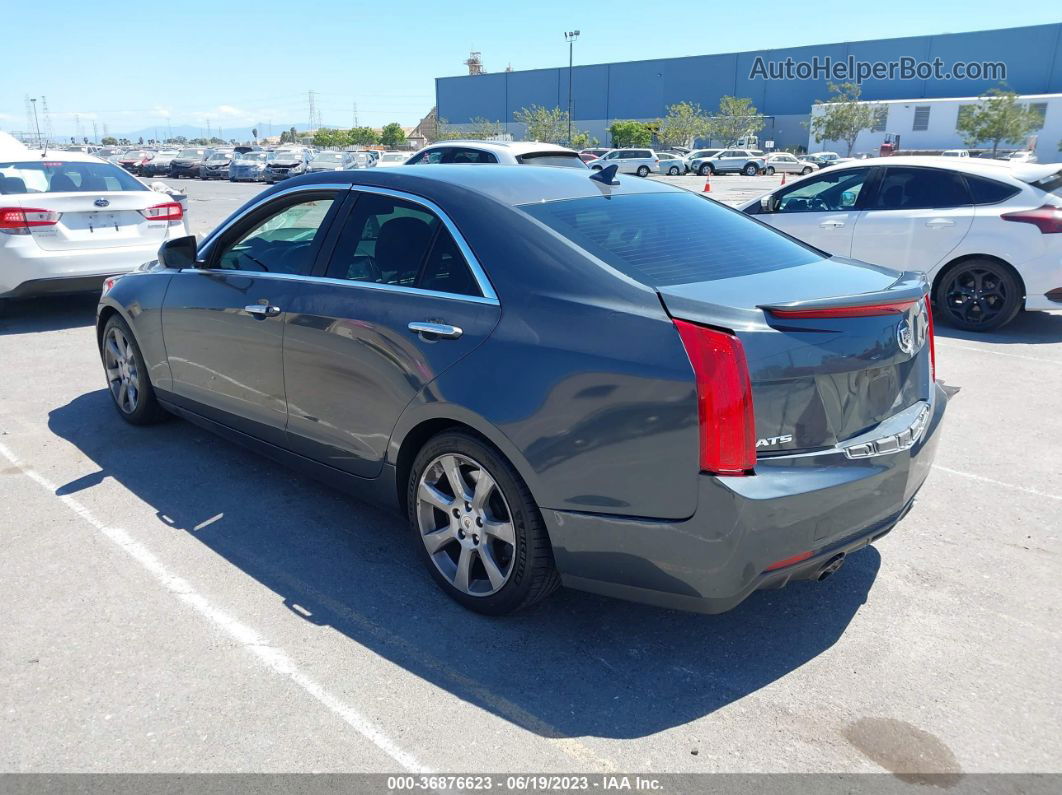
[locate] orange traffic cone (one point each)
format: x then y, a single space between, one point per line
707 184
783 177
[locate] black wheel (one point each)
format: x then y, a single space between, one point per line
673 171
770 171
978 295
806 170
705 169
643 171
477 527
127 375
750 169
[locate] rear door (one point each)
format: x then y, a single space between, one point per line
401 300
224 323
915 218
822 209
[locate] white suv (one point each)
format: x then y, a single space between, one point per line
987 234
510 153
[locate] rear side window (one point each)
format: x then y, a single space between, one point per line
988 191
58 177
920 189
463 155
563 159
391 241
659 239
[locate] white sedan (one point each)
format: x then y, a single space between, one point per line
68 220
988 235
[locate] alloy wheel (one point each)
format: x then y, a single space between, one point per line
976 295
465 524
123 375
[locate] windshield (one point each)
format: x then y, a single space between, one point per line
330 157
252 157
653 237
219 156
565 159
393 158
62 177
192 153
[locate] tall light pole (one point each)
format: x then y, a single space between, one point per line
570 37
36 123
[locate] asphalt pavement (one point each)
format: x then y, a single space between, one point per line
175 603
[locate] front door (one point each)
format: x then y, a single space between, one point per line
224 323
400 301
821 210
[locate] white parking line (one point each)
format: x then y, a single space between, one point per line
275 659
996 353
994 482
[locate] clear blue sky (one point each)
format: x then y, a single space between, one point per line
235 64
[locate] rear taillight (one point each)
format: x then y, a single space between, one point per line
18 220
931 339
170 211
724 399
870 310
1048 219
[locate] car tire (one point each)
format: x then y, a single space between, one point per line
643 171
978 295
705 169
127 375
805 170
519 551
750 170
673 171
770 171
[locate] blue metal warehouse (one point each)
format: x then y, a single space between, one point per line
642 90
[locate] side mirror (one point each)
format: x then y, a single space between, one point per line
767 203
179 253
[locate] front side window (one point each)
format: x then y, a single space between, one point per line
920 189
828 192
427 157
281 243
392 241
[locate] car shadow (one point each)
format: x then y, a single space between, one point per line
48 313
577 665
1027 328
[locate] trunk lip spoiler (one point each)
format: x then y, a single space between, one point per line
911 290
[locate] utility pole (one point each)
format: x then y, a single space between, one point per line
570 37
95 135
48 134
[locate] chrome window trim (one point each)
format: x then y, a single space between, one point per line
489 295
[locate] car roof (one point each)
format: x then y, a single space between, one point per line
511 185
1025 172
516 147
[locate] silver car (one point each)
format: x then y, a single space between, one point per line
334 161
642 162
735 161
789 164
672 164
698 159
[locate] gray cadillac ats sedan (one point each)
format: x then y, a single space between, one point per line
614 385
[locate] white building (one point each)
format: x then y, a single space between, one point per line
930 124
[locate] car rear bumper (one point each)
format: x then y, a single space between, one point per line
27 269
824 505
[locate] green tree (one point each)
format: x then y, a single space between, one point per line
485 128
548 125
392 135
630 133
684 123
997 118
843 116
581 140
444 131
108 140
362 136
736 118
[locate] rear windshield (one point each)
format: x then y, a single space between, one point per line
1051 184
566 159
663 239
47 176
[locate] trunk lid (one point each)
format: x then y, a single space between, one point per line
819 380
84 225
